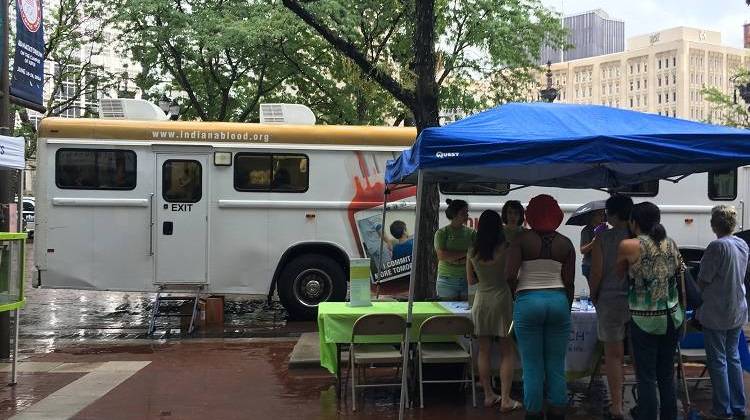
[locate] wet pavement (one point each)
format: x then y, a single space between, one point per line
57 315
250 379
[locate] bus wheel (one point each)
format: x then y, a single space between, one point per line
308 280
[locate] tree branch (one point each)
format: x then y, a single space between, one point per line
388 83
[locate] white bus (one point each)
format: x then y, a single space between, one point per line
131 205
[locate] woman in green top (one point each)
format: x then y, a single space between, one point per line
492 311
513 217
653 264
451 243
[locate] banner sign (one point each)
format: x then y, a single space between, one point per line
27 79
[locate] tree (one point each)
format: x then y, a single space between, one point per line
430 48
75 36
731 111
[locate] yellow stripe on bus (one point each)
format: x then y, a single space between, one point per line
225 132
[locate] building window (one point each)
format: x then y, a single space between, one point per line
639 67
645 83
674 113
631 69
674 61
659 96
95 169
659 64
645 67
658 81
666 80
638 101
638 84
631 85
286 173
631 101
674 78
666 98
478 188
674 96
666 63
722 185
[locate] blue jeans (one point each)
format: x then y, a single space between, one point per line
654 357
726 371
452 288
541 321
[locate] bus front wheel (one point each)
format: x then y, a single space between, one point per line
308 280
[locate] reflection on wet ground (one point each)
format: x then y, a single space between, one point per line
54 314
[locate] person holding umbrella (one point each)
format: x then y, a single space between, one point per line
592 217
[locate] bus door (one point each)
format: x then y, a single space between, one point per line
181 229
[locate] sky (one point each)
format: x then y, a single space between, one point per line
646 16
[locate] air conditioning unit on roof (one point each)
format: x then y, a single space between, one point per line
130 109
286 114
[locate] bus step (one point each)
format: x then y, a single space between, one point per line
165 294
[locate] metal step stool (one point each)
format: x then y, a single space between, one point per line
175 293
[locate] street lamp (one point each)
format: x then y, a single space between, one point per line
549 94
170 107
742 88
123 91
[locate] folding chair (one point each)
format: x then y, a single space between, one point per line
361 354
694 353
443 353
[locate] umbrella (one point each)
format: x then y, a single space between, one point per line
581 216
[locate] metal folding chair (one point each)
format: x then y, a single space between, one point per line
446 352
363 354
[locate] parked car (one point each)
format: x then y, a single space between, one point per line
29 204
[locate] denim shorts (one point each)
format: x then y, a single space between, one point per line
451 288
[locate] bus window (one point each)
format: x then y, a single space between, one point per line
271 173
182 181
476 188
643 189
95 169
722 185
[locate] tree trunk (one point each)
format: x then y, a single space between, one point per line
426 115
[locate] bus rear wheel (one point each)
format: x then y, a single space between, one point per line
308 280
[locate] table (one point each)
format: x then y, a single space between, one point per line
336 320
583 349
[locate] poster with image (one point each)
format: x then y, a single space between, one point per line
397 237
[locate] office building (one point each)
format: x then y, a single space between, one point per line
590 34
661 73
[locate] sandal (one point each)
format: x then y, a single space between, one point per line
495 401
513 407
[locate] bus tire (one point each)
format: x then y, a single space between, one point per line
308 280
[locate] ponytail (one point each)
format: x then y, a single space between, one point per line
648 217
657 232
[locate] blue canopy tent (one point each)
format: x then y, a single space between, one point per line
562 145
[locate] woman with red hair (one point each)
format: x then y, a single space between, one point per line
540 271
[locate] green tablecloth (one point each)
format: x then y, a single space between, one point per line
336 319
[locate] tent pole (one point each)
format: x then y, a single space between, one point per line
382 241
409 308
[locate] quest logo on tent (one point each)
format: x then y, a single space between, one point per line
441 155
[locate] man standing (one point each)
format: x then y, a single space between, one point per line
609 293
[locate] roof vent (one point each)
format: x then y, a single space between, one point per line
129 109
286 114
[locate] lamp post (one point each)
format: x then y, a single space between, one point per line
123 91
170 107
549 94
741 87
